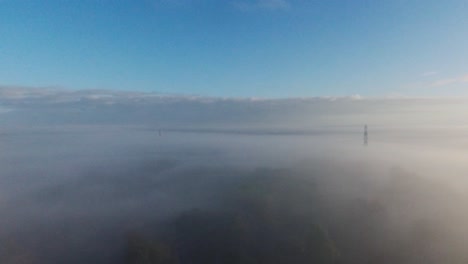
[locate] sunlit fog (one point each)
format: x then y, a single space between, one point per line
173 179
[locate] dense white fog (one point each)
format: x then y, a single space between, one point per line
81 169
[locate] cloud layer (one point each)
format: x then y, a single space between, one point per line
450 81
80 170
262 5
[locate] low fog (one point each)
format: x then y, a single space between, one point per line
116 177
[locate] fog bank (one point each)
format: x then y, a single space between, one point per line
88 176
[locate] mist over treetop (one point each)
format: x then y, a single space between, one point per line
104 177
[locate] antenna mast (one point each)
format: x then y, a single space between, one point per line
365 135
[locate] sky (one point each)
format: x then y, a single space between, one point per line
238 48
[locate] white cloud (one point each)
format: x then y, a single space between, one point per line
450 81
273 4
464 78
42 107
356 97
444 82
429 73
262 5
157 4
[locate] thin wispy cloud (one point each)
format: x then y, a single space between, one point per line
167 3
429 73
444 82
450 81
262 5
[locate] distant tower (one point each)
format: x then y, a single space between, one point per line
159 132
365 135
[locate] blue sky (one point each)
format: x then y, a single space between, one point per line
246 48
